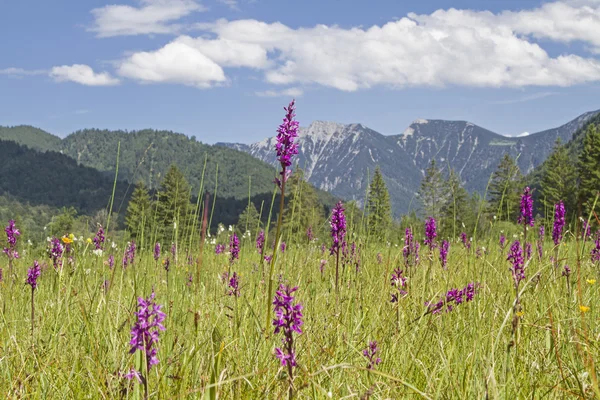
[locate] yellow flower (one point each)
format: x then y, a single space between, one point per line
590 281
584 309
520 314
89 240
66 240
71 236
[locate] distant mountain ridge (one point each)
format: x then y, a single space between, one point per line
340 157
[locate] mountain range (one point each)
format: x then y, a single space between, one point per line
340 158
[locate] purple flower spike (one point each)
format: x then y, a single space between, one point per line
526 217
338 229
288 319
146 330
559 222
502 242
430 233
260 242
234 285
465 241
410 251
219 248
99 239
370 353
596 250
285 146
156 251
515 256
234 248
444 253
454 297
12 233
56 253
399 282
33 274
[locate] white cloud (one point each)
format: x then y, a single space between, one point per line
18 72
82 74
232 4
529 97
290 92
446 48
177 62
153 17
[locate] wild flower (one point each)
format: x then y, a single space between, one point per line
285 147
219 248
566 271
173 250
283 246
586 230
526 216
322 266
56 252
12 234
167 264
99 238
370 353
190 280
111 261
596 251
410 252
559 222
156 251
399 282
444 253
129 256
33 274
430 233
234 285
338 235
527 250
288 319
502 242
465 241
146 330
260 241
453 298
379 258
515 256
309 234
234 248
338 228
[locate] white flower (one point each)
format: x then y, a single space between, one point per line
87 271
495 217
97 252
463 225
230 228
114 245
29 242
45 228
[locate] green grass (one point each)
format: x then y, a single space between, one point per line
80 344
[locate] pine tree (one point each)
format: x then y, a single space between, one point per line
505 188
432 192
558 180
249 220
303 209
456 210
174 208
379 209
589 170
139 211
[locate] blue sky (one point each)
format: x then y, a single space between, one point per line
223 70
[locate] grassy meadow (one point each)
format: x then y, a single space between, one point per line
218 345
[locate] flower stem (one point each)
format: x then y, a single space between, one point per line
273 259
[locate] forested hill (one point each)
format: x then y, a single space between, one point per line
147 154
53 179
